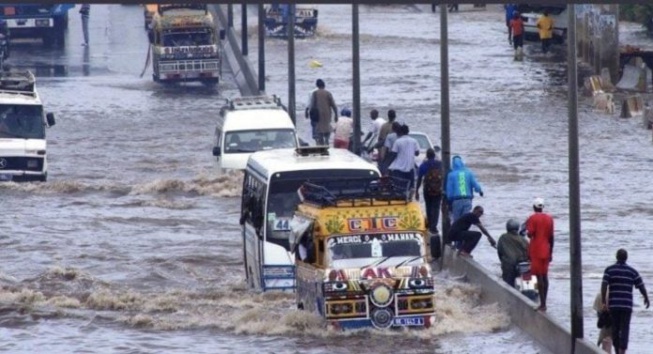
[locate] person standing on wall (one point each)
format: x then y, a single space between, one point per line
619 280
539 228
320 107
545 27
430 171
85 11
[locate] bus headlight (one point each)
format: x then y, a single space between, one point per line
381 295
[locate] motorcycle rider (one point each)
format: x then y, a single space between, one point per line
512 249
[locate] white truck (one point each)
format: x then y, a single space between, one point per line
22 129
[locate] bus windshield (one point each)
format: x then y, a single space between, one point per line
283 198
21 121
399 244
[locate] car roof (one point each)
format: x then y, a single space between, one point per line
257 119
269 162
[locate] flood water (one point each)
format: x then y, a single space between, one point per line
133 245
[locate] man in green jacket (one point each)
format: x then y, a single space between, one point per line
512 249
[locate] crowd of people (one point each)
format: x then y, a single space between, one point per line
532 241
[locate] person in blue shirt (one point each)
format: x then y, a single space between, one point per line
510 10
618 281
460 186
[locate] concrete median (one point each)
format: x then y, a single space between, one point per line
540 326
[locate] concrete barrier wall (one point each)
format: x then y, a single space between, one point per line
240 66
550 334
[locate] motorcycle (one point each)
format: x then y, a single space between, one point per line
525 282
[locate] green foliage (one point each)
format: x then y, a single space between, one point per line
637 13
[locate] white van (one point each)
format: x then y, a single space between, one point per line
531 13
269 199
251 124
22 128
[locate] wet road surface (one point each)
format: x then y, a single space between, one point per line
132 246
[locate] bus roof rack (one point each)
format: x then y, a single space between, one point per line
18 82
329 193
320 150
254 102
161 8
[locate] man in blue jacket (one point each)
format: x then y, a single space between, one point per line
460 186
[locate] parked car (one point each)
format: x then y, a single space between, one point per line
531 13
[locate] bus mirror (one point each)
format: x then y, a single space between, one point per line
50 119
436 247
223 34
216 151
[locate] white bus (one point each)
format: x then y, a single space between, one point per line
269 200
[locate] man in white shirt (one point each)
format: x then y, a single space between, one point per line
405 149
344 129
375 129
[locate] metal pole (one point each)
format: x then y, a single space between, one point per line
261 48
230 15
444 116
291 63
576 272
357 79
244 49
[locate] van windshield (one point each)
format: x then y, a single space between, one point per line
283 198
21 121
256 140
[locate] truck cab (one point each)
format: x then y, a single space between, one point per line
250 124
185 44
23 122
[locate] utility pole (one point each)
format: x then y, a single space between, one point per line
261 48
291 63
444 117
357 79
576 264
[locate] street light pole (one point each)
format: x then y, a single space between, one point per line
444 116
576 272
357 79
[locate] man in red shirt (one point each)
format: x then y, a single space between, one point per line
516 35
539 227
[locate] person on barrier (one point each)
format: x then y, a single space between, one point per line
344 129
459 232
405 149
386 156
319 109
372 137
539 228
430 172
512 249
619 280
460 186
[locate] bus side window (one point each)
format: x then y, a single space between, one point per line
252 201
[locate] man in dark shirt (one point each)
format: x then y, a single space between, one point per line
460 231
620 278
